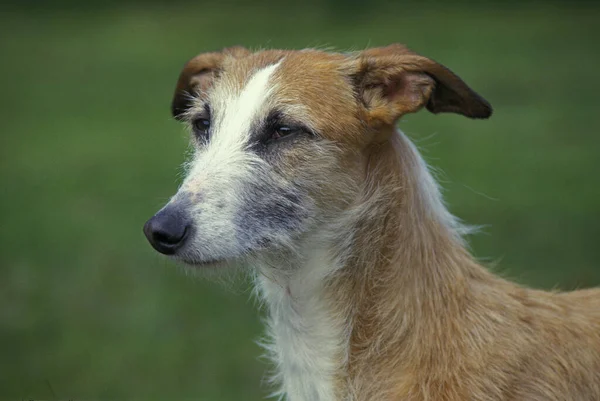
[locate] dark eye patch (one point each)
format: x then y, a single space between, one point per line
276 129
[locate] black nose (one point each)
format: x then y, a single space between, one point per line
168 229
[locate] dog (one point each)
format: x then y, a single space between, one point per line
300 174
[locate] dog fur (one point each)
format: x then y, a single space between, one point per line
371 291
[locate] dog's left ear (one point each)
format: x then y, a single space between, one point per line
392 81
198 76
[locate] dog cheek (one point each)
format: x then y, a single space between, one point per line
272 217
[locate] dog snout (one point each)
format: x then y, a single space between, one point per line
168 230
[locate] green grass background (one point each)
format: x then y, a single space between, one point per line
88 152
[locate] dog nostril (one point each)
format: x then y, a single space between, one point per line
168 237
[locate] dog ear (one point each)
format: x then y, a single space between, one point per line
198 75
392 81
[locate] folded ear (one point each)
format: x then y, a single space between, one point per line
392 81
198 75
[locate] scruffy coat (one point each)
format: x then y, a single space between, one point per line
300 173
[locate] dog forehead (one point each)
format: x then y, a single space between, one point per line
237 71
310 86
299 72
314 76
319 83
243 89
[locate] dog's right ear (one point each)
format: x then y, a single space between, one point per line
198 75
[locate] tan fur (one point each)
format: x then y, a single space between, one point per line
426 321
431 324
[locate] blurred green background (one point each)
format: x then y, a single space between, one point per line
88 152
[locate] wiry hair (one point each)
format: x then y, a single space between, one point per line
370 289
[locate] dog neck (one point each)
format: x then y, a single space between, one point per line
370 282
309 338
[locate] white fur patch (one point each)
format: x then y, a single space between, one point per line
235 115
309 343
431 197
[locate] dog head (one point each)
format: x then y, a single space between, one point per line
279 142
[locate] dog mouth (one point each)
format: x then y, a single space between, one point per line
217 262
204 263
225 261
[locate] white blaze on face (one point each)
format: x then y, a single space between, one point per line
221 168
236 114
233 117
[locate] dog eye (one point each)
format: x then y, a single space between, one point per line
201 127
283 131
